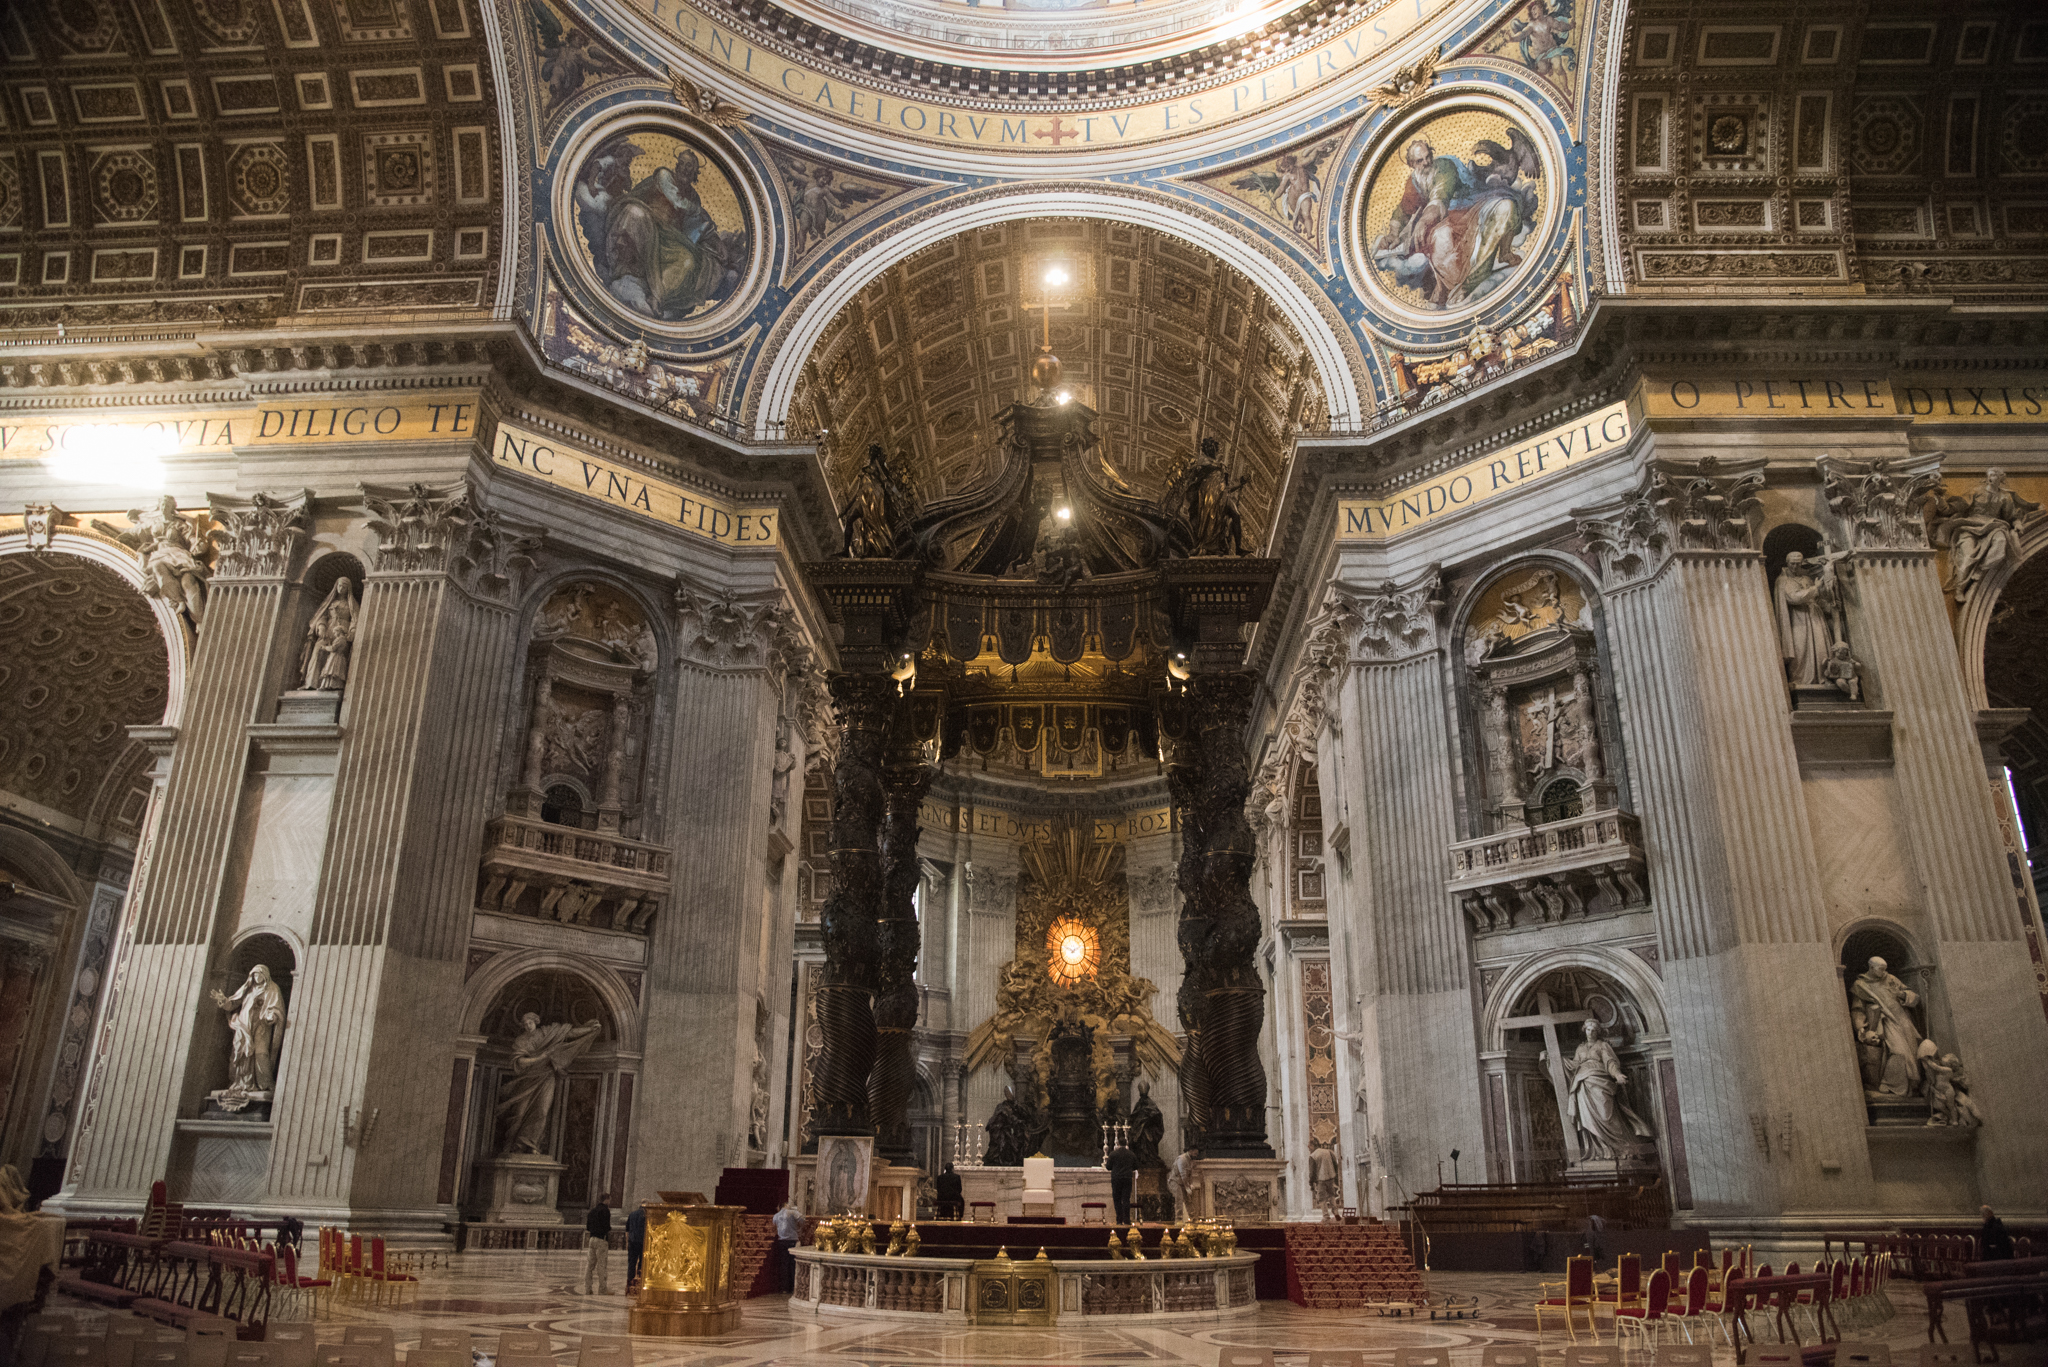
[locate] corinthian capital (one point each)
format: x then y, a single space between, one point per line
719 630
1880 506
258 537
498 554
420 529
1709 505
1401 619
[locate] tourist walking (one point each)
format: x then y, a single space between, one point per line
636 1243
597 1237
789 1227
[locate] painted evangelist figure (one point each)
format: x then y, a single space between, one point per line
661 225
1448 229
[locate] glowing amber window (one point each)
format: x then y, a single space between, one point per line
1073 951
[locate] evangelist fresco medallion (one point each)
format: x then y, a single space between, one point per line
661 225
1457 206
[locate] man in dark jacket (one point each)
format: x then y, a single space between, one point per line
952 1201
1123 1165
1992 1241
636 1244
597 1237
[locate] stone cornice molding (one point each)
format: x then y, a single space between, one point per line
1706 509
732 633
258 537
1880 505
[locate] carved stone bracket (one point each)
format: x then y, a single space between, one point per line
1879 505
1709 506
258 537
41 522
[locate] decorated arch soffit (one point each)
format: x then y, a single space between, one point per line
694 189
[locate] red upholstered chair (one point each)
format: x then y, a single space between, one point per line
1627 1287
1674 1267
1689 1305
1647 1317
1576 1290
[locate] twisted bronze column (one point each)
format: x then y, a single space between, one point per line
894 1075
1220 706
863 704
1184 782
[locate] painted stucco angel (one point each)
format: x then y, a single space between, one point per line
1292 185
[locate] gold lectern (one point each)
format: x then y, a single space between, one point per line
686 1272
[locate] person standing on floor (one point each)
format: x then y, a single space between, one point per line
1993 1243
789 1227
636 1244
597 1236
1123 1166
951 1194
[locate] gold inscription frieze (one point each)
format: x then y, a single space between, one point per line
450 417
787 82
1114 828
1796 395
612 482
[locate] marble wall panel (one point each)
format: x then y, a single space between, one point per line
285 817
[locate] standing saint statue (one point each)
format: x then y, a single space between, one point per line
330 637
1809 609
540 1061
1607 1127
256 1014
1885 1030
1148 1127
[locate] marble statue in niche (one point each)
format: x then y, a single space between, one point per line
170 546
1608 1128
541 1056
783 765
256 1016
1888 1043
1807 601
330 639
1980 533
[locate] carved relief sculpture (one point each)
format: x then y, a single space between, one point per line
1203 499
1981 532
256 1015
1948 1088
540 1063
330 637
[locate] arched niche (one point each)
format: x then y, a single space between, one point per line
1543 732
2002 633
1542 1080
590 1115
213 1041
583 751
1886 1051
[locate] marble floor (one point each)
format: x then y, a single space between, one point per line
489 1292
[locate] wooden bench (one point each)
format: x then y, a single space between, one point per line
207 1281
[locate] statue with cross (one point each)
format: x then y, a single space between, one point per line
1599 1125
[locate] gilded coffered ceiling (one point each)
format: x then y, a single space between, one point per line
1894 147
84 662
1168 344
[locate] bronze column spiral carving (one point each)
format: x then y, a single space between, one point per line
863 703
1220 706
1184 782
894 1075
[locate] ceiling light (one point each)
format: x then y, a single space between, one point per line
1065 513
1064 396
1055 276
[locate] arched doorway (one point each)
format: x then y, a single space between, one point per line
2016 676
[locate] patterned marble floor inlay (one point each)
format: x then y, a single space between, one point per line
487 1293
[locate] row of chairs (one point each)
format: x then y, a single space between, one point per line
1677 1299
352 1269
53 1339
1670 1355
